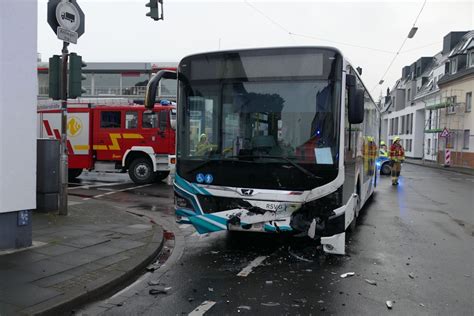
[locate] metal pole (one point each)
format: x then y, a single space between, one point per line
63 168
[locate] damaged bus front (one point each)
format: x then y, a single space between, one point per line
273 140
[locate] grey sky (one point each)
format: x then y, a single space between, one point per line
120 31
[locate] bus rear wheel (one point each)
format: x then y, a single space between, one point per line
141 171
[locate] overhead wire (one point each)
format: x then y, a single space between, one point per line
399 50
287 31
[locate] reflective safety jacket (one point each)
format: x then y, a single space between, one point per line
396 152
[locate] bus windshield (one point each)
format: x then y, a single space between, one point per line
250 120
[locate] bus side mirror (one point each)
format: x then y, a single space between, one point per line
152 87
356 101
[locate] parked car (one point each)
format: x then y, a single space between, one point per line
383 164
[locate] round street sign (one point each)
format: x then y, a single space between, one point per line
68 16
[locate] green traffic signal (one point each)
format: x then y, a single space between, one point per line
75 76
54 73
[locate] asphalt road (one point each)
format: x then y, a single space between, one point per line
414 243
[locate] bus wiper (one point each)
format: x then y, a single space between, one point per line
294 164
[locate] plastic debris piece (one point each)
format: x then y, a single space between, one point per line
321 302
157 291
153 282
244 307
389 304
210 289
268 282
300 300
422 305
190 299
411 275
270 304
214 252
333 273
371 282
348 274
298 257
153 267
309 270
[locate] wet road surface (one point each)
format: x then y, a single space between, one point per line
413 245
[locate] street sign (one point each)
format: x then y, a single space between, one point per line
66 14
67 35
444 133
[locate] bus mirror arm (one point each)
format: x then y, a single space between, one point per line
356 100
152 87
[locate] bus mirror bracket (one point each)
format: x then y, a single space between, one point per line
152 87
356 100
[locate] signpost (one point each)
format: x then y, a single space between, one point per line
67 21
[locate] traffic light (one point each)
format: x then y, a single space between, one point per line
154 9
54 73
75 76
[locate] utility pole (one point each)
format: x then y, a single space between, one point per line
67 21
63 161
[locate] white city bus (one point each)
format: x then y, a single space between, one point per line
274 140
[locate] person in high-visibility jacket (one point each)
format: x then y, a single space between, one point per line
397 156
383 150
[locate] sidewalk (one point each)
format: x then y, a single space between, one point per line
431 164
80 257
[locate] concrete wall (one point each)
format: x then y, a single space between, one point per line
18 87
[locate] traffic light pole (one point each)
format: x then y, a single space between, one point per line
63 167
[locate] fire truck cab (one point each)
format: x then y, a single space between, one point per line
116 138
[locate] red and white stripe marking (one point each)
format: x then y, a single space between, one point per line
447 157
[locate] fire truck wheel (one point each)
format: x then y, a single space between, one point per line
74 173
141 171
161 175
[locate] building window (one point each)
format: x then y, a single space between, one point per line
451 104
396 126
402 131
110 119
107 84
468 101
134 83
470 59
411 123
428 147
466 139
408 95
454 65
131 120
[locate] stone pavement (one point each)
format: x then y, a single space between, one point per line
88 253
430 164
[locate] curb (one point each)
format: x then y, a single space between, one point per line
63 305
450 169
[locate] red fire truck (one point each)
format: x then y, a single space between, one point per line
115 137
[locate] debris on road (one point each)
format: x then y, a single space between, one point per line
300 300
270 304
160 290
268 282
153 282
348 274
422 305
411 275
371 282
190 299
214 252
210 289
244 307
389 304
321 302
298 257
153 267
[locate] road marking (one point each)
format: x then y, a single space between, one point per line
116 191
202 309
248 269
88 186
